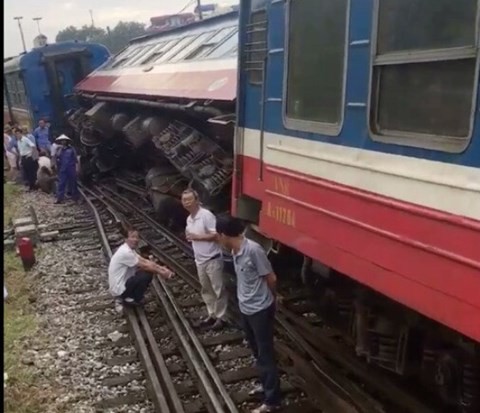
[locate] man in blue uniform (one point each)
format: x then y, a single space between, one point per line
256 292
67 169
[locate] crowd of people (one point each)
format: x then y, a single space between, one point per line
130 275
40 161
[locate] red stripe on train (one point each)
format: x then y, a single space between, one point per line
425 259
214 84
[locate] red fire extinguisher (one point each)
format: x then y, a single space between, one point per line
26 252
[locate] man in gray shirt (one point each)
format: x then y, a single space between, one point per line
256 293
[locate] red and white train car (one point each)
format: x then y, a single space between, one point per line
160 100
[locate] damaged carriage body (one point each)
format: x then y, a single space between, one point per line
165 107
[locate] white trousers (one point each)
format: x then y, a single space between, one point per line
214 292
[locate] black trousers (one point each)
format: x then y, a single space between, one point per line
29 167
136 286
258 329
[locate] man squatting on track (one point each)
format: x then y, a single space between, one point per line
201 233
256 292
129 274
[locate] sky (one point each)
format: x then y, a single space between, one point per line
58 14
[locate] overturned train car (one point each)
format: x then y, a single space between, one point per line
165 107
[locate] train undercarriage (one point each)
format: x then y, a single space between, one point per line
397 339
175 146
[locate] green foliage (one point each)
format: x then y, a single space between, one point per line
25 390
115 39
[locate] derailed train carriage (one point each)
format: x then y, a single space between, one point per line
165 106
373 187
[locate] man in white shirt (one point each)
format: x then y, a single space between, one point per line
129 274
27 150
201 233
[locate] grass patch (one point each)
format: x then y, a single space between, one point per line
10 192
25 391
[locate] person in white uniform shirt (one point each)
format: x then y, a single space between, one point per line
201 233
129 274
28 152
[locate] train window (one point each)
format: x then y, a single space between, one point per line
156 56
425 24
218 38
224 48
425 73
258 4
316 59
198 42
22 99
182 43
145 51
156 52
139 52
256 46
121 58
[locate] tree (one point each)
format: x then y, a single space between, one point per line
86 33
122 33
115 39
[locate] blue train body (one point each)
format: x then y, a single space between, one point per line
38 84
362 57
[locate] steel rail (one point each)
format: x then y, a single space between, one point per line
184 340
199 348
175 402
197 355
157 394
299 334
382 384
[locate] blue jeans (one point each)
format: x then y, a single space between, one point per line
258 329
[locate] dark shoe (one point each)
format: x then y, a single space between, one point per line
207 322
57 202
218 325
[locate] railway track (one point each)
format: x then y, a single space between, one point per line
171 344
319 374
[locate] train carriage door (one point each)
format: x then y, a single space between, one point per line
64 71
252 91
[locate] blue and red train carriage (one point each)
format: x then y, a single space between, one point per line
345 131
38 84
358 145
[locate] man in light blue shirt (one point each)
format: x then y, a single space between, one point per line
256 292
42 137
